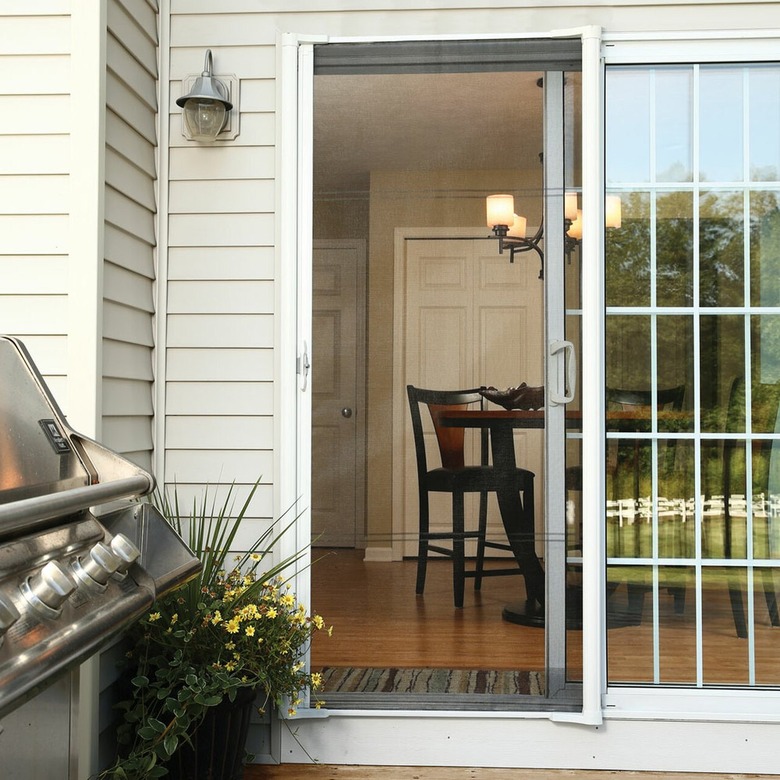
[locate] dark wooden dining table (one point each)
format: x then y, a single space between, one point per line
517 512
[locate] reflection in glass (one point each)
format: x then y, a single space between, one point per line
764 123
676 507
720 124
722 354
674 248
721 248
766 584
628 352
723 609
628 125
627 250
677 632
629 620
764 248
673 123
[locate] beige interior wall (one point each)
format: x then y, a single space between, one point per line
415 199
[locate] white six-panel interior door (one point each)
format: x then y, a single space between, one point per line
470 318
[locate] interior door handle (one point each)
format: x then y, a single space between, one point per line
565 395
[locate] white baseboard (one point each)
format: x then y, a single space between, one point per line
378 554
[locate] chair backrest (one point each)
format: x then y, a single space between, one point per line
450 439
764 411
671 397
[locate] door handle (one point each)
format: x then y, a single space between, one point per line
302 367
346 412
569 372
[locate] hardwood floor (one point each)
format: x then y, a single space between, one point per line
378 621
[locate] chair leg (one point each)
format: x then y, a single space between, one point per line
738 610
458 549
677 592
422 545
771 597
480 565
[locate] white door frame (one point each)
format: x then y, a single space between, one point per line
719 734
293 320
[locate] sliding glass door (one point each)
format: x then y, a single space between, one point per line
693 375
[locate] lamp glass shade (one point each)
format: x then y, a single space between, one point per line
570 206
612 211
500 210
204 118
575 229
518 227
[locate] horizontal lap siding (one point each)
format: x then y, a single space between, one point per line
220 317
34 185
130 228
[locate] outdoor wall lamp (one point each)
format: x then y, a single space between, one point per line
205 108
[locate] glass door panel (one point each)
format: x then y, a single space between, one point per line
691 286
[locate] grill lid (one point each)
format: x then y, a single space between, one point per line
78 560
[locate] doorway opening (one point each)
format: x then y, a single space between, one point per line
410 289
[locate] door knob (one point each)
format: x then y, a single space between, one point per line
346 412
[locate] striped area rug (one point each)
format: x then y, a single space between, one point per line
368 680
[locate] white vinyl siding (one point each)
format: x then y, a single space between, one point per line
130 228
219 408
34 186
219 398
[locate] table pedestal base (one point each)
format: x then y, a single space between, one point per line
531 613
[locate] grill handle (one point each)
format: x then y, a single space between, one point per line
29 512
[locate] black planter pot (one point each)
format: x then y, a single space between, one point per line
217 751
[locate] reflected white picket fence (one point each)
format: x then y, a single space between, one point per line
630 527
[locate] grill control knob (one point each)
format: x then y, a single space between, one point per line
9 614
98 566
126 551
49 588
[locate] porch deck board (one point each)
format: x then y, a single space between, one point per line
333 772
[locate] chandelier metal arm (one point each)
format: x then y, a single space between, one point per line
518 244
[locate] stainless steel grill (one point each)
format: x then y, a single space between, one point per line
80 558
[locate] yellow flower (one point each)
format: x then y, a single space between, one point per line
318 621
154 616
291 712
230 666
217 618
260 641
316 680
230 645
318 705
232 626
288 600
174 617
255 556
272 613
250 612
249 630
